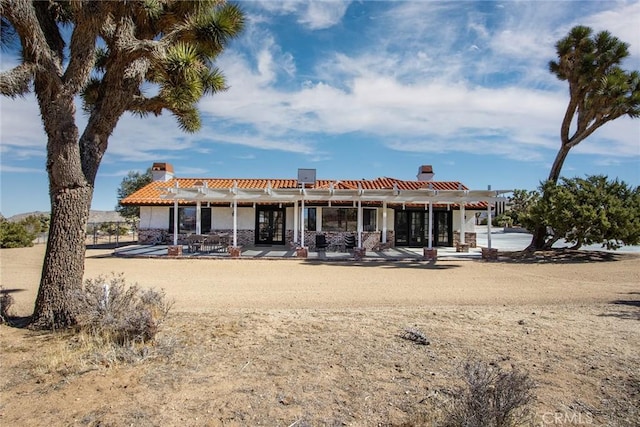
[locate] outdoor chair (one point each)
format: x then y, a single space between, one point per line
321 242
349 242
195 242
218 242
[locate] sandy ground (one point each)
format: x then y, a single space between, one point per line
288 342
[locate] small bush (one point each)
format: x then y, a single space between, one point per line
415 335
16 234
491 397
6 301
124 315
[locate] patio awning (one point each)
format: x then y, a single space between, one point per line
283 195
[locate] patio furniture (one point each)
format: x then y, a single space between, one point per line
195 242
349 242
321 242
217 242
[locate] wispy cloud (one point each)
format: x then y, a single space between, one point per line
20 169
414 77
313 14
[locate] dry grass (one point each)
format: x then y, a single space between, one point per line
328 368
291 358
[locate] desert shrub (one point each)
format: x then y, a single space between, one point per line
15 234
6 301
491 397
415 335
117 313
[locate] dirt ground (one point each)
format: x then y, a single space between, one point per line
295 343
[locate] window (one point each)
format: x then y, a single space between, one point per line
346 219
339 219
369 219
187 219
310 219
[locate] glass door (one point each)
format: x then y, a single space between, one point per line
416 228
410 228
270 222
401 227
442 233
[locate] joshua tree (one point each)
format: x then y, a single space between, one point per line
599 92
107 51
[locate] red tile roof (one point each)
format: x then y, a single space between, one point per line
150 194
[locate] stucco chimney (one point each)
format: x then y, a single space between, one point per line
425 173
162 171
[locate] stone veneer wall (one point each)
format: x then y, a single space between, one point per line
469 237
153 236
335 239
370 239
245 237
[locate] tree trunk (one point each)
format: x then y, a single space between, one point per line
63 269
556 168
70 193
539 238
538 241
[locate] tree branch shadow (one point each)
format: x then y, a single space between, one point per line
627 307
562 256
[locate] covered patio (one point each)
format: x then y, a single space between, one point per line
201 194
503 241
278 252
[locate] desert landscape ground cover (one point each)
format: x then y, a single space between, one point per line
299 343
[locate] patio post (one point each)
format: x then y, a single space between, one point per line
430 225
384 222
198 218
359 223
489 222
235 223
175 222
462 221
302 228
296 220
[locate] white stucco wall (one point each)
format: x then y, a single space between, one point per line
154 217
390 219
470 220
157 217
222 218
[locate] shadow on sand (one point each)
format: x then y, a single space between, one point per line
417 264
562 256
629 307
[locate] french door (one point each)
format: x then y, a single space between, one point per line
412 228
270 222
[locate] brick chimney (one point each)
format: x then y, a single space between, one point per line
425 173
162 171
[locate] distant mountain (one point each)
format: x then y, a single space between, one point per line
21 216
94 216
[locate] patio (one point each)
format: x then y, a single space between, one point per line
500 240
281 252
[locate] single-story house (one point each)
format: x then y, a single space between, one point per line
379 212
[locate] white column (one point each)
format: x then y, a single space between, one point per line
430 225
296 220
235 223
384 222
319 218
359 224
175 222
489 223
198 218
462 221
302 228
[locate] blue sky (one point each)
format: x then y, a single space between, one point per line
363 89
